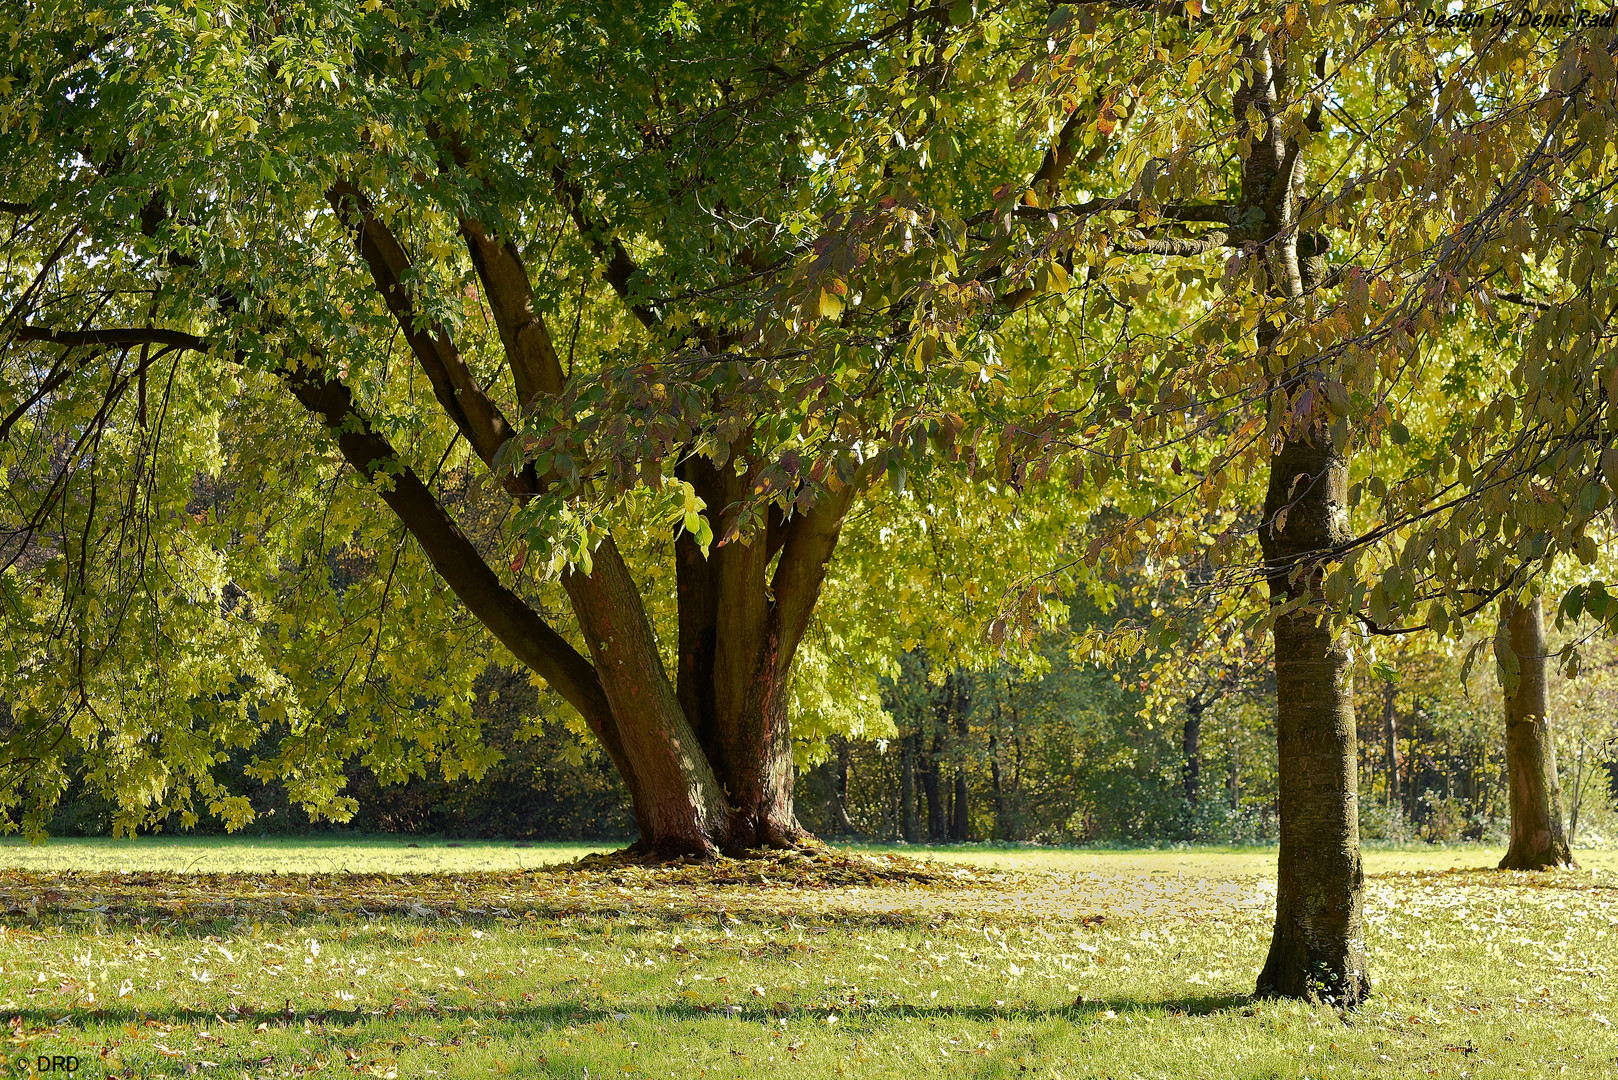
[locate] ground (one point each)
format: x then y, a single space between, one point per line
374 958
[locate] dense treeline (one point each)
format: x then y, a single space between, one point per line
1067 757
1055 752
544 784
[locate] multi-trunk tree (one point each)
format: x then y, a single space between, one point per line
679 284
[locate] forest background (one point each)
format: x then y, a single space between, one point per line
1052 751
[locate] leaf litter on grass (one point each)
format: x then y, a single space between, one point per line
875 964
818 883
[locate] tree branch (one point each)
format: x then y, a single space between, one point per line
1215 213
617 266
528 637
138 335
530 352
457 389
1183 246
535 367
811 538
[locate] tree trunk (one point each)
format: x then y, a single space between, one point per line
1317 951
1390 727
678 800
1233 781
1537 840
960 827
911 822
1410 780
1002 826
707 756
839 786
1191 745
933 789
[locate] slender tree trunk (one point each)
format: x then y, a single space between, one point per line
1233 778
1014 802
932 787
911 822
1411 786
1002 830
1390 728
960 828
1318 949
1537 840
1191 745
839 785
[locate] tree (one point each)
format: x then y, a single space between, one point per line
1538 841
668 280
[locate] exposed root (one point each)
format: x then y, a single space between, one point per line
1555 857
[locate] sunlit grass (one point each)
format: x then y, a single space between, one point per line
287 855
357 854
1214 861
1101 969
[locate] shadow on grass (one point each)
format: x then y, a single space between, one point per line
558 1014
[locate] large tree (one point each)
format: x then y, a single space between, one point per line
682 281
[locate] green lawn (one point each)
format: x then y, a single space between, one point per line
360 854
1212 861
336 854
1006 963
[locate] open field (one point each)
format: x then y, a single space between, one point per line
335 854
369 854
1073 964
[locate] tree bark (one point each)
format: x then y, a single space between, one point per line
1317 951
1537 839
1233 778
839 786
1002 823
910 821
932 788
1191 746
677 795
960 826
1390 727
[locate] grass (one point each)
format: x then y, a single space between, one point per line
333 854
997 963
340 853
